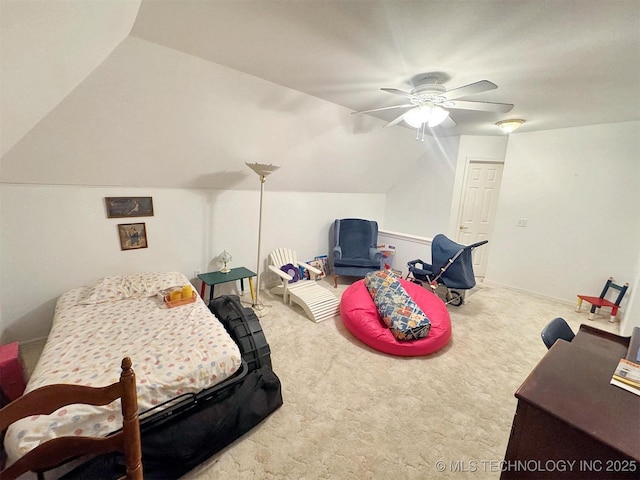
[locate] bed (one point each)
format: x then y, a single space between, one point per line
184 358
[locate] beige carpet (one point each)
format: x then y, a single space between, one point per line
351 412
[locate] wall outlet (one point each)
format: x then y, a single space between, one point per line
522 222
197 272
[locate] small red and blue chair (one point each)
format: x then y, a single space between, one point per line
601 301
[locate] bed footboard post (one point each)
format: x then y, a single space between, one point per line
130 421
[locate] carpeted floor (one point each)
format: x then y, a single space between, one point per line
351 412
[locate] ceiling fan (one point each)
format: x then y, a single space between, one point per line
429 103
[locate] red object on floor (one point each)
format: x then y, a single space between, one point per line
360 317
12 378
601 301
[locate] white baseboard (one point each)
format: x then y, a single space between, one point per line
524 290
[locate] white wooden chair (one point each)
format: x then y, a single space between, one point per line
317 302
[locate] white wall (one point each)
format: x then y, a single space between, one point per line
58 237
419 202
300 221
408 248
55 238
579 190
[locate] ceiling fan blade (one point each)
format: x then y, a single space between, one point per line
481 106
471 89
395 121
385 108
395 91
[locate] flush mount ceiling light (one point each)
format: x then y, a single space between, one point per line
508 126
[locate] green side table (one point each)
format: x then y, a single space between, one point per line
212 279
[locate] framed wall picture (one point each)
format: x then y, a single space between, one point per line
132 236
118 207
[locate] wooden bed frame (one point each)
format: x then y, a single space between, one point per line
181 432
53 453
197 425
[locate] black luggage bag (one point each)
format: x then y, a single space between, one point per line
244 327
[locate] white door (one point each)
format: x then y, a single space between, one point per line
478 209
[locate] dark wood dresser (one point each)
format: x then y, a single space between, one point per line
570 422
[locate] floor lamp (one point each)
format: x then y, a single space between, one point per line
262 170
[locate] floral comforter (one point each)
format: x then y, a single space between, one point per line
174 351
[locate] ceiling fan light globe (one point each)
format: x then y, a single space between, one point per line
438 115
429 114
414 117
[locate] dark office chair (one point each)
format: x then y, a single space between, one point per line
556 329
54 452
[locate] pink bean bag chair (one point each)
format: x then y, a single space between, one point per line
360 316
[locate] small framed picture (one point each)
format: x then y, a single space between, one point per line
119 207
132 236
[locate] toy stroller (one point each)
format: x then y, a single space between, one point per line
452 268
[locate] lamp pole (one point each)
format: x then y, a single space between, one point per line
262 170
257 303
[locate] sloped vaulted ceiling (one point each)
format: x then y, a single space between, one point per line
149 115
182 93
153 116
47 49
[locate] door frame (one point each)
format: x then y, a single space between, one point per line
459 188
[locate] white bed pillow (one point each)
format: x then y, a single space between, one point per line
119 287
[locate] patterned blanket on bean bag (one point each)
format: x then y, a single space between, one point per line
400 313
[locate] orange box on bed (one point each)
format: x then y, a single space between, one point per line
182 301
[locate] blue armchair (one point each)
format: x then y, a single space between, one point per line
355 251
